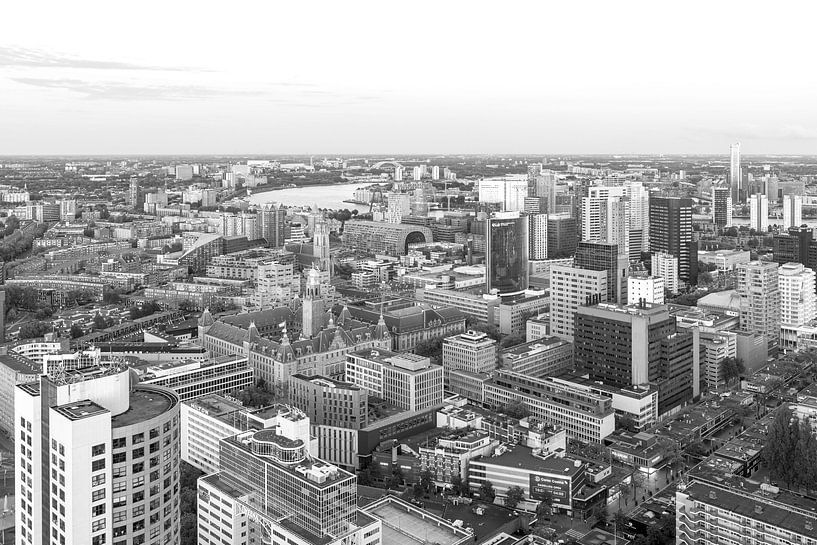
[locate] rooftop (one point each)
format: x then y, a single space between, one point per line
406 524
80 410
533 347
146 402
522 457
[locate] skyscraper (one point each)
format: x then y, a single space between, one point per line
671 233
759 298
571 288
562 236
792 211
538 236
271 222
135 194
759 212
506 235
98 460
605 256
722 207
798 302
666 266
735 177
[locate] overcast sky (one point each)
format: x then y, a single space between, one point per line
349 77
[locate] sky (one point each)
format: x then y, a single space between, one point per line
443 77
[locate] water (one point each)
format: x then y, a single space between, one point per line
324 196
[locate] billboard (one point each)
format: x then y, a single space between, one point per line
557 487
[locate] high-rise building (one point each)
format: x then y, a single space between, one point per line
722 206
313 309
571 288
735 175
605 256
798 301
797 245
759 212
759 298
98 460
506 255
562 236
605 216
472 351
639 218
636 345
272 222
671 233
508 192
792 211
435 172
644 288
542 184
538 236
184 172
666 266
135 194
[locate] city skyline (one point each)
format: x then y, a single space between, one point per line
367 80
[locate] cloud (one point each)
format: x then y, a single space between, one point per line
749 131
295 94
35 58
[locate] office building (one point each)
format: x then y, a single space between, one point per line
509 193
543 357
646 288
666 266
798 302
759 212
571 288
14 369
472 351
716 346
184 172
406 380
711 505
272 223
671 233
635 346
638 403
735 175
135 194
98 460
562 236
792 211
605 217
542 185
605 256
329 402
722 207
538 236
270 490
759 298
507 253
725 260
796 246
584 415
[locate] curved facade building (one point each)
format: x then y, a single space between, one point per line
99 461
507 253
384 238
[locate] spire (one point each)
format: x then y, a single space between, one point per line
381 330
252 333
345 315
206 319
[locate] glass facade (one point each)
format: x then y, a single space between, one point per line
507 254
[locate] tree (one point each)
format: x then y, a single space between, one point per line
705 278
33 330
621 521
806 456
431 348
637 480
427 481
512 340
514 495
732 368
627 423
545 504
487 492
458 487
76 331
99 321
780 449
418 491
603 515
516 409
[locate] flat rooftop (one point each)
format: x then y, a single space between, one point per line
146 402
522 457
539 345
405 524
80 410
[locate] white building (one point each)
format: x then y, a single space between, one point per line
571 288
406 380
510 192
538 236
734 171
759 212
759 298
650 289
792 211
472 351
98 460
798 302
184 172
666 266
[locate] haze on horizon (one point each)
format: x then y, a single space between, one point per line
100 78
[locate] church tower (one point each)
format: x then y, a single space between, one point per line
313 311
320 245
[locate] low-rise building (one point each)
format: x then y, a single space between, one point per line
544 357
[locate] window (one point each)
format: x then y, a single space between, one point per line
120 516
62 450
138 481
138 496
120 442
139 511
119 457
98 525
120 531
98 450
120 501
120 471
138 438
120 486
97 540
154 447
154 433
97 495
97 510
98 465
138 453
138 467
138 525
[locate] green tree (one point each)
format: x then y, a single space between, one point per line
418 491
545 504
458 486
516 409
514 495
780 449
100 322
427 481
431 348
33 330
487 492
732 368
512 340
76 331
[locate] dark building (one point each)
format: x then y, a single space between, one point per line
562 236
671 233
636 345
507 253
722 206
329 402
603 256
272 223
796 246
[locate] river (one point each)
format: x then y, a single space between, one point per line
324 196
